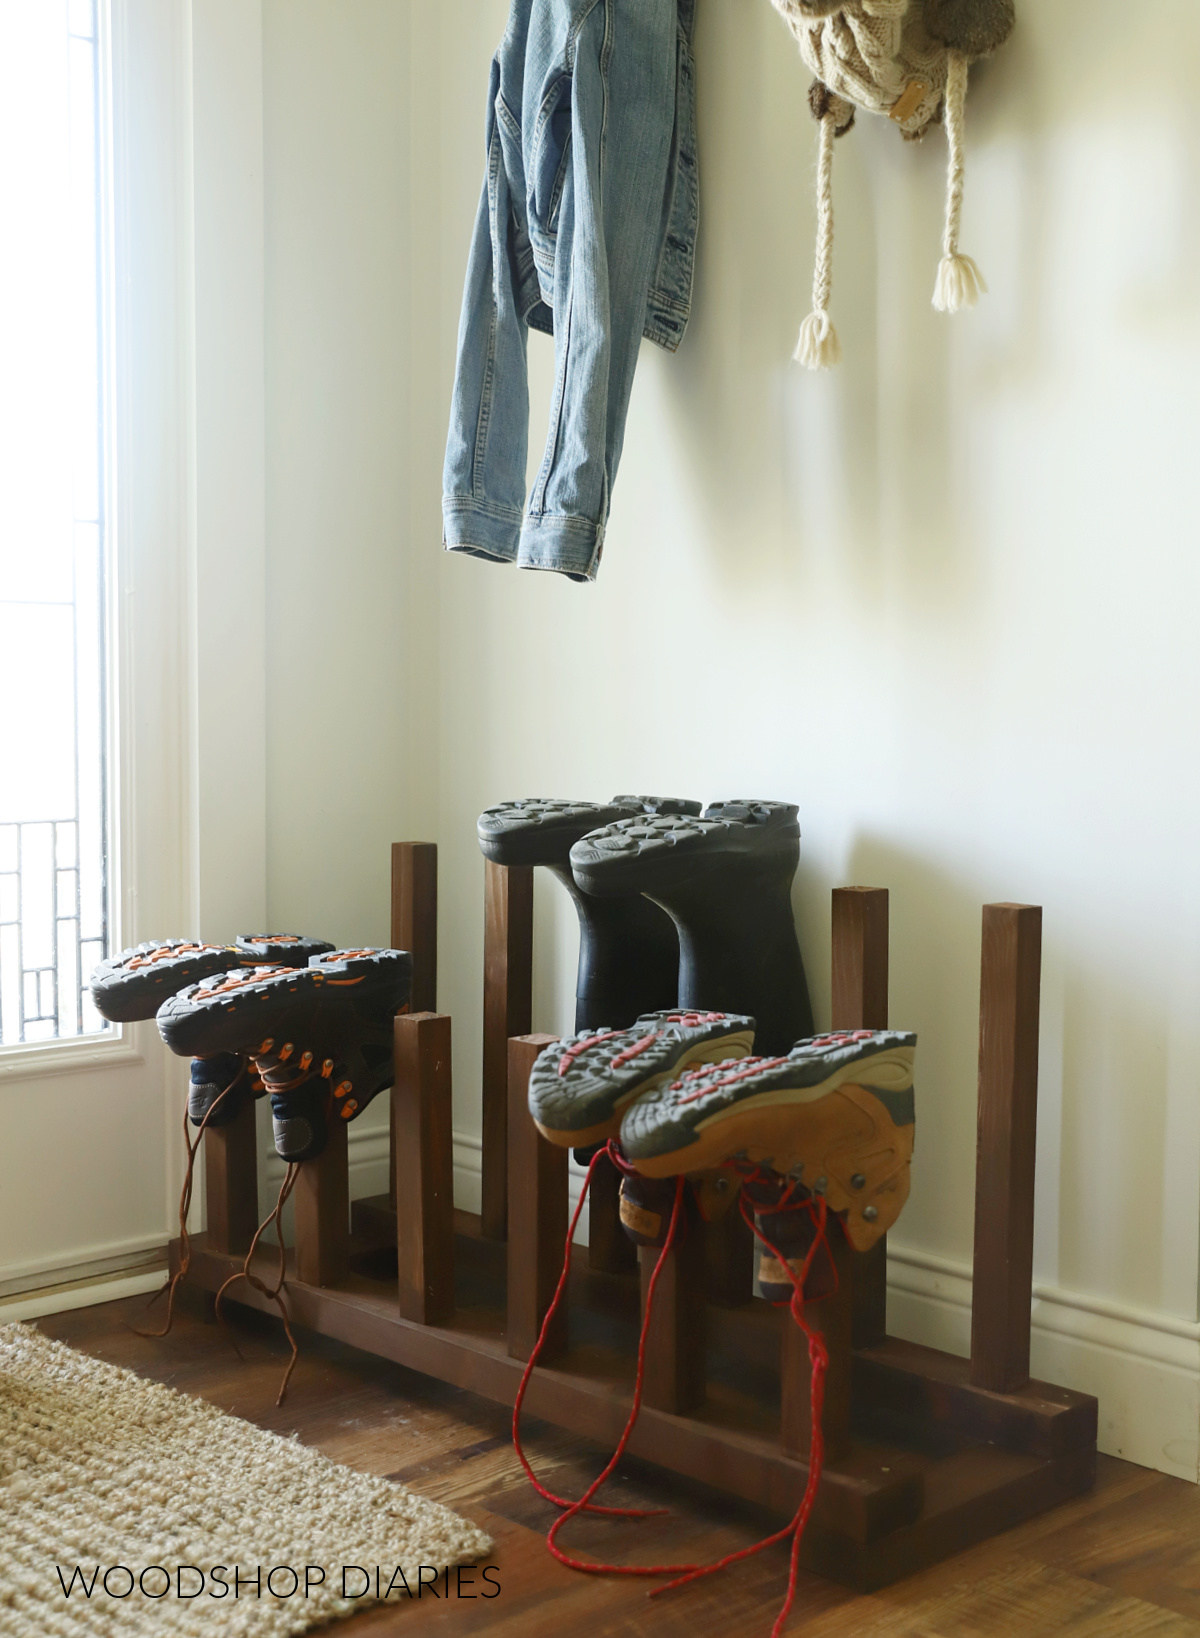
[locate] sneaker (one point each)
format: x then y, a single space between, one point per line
320 1036
725 879
835 1114
628 947
579 1088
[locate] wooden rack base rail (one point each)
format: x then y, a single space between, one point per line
928 1453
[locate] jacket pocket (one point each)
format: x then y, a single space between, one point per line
551 157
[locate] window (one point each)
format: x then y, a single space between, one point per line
54 558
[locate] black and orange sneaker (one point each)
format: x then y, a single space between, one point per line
836 1114
579 1088
725 879
628 947
319 1036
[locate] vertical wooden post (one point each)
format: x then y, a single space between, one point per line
729 1260
231 1182
609 1247
860 958
537 1212
860 1001
322 1203
414 928
414 917
675 1375
507 1011
423 1155
833 1319
1009 1007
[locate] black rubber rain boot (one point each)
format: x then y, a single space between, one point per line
628 948
725 880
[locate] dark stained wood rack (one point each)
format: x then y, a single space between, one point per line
927 1453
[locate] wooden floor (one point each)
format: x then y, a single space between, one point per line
1123 1562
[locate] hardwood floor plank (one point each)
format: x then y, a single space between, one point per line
1146 1545
1121 1562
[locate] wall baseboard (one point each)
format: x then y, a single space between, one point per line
60 1299
1143 1367
97 1259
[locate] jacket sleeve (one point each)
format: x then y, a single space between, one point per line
622 89
483 485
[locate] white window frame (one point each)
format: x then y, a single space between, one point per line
186 593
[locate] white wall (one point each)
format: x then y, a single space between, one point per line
942 598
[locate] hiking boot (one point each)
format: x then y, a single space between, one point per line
210 1076
133 984
791 1233
646 1205
725 880
221 1072
280 949
320 1036
628 948
579 1088
835 1114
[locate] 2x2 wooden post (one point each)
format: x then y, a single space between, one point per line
507 1012
856 1313
415 929
537 1214
423 1157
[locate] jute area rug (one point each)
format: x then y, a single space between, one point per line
159 1500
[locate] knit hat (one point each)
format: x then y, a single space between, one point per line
907 59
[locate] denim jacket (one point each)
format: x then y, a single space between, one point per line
586 230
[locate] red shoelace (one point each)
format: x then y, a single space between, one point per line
818 1355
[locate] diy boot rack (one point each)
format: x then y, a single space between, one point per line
927 1453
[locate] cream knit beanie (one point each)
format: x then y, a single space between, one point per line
908 59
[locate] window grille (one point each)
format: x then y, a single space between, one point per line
54 831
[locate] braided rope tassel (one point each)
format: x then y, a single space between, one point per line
818 347
959 281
